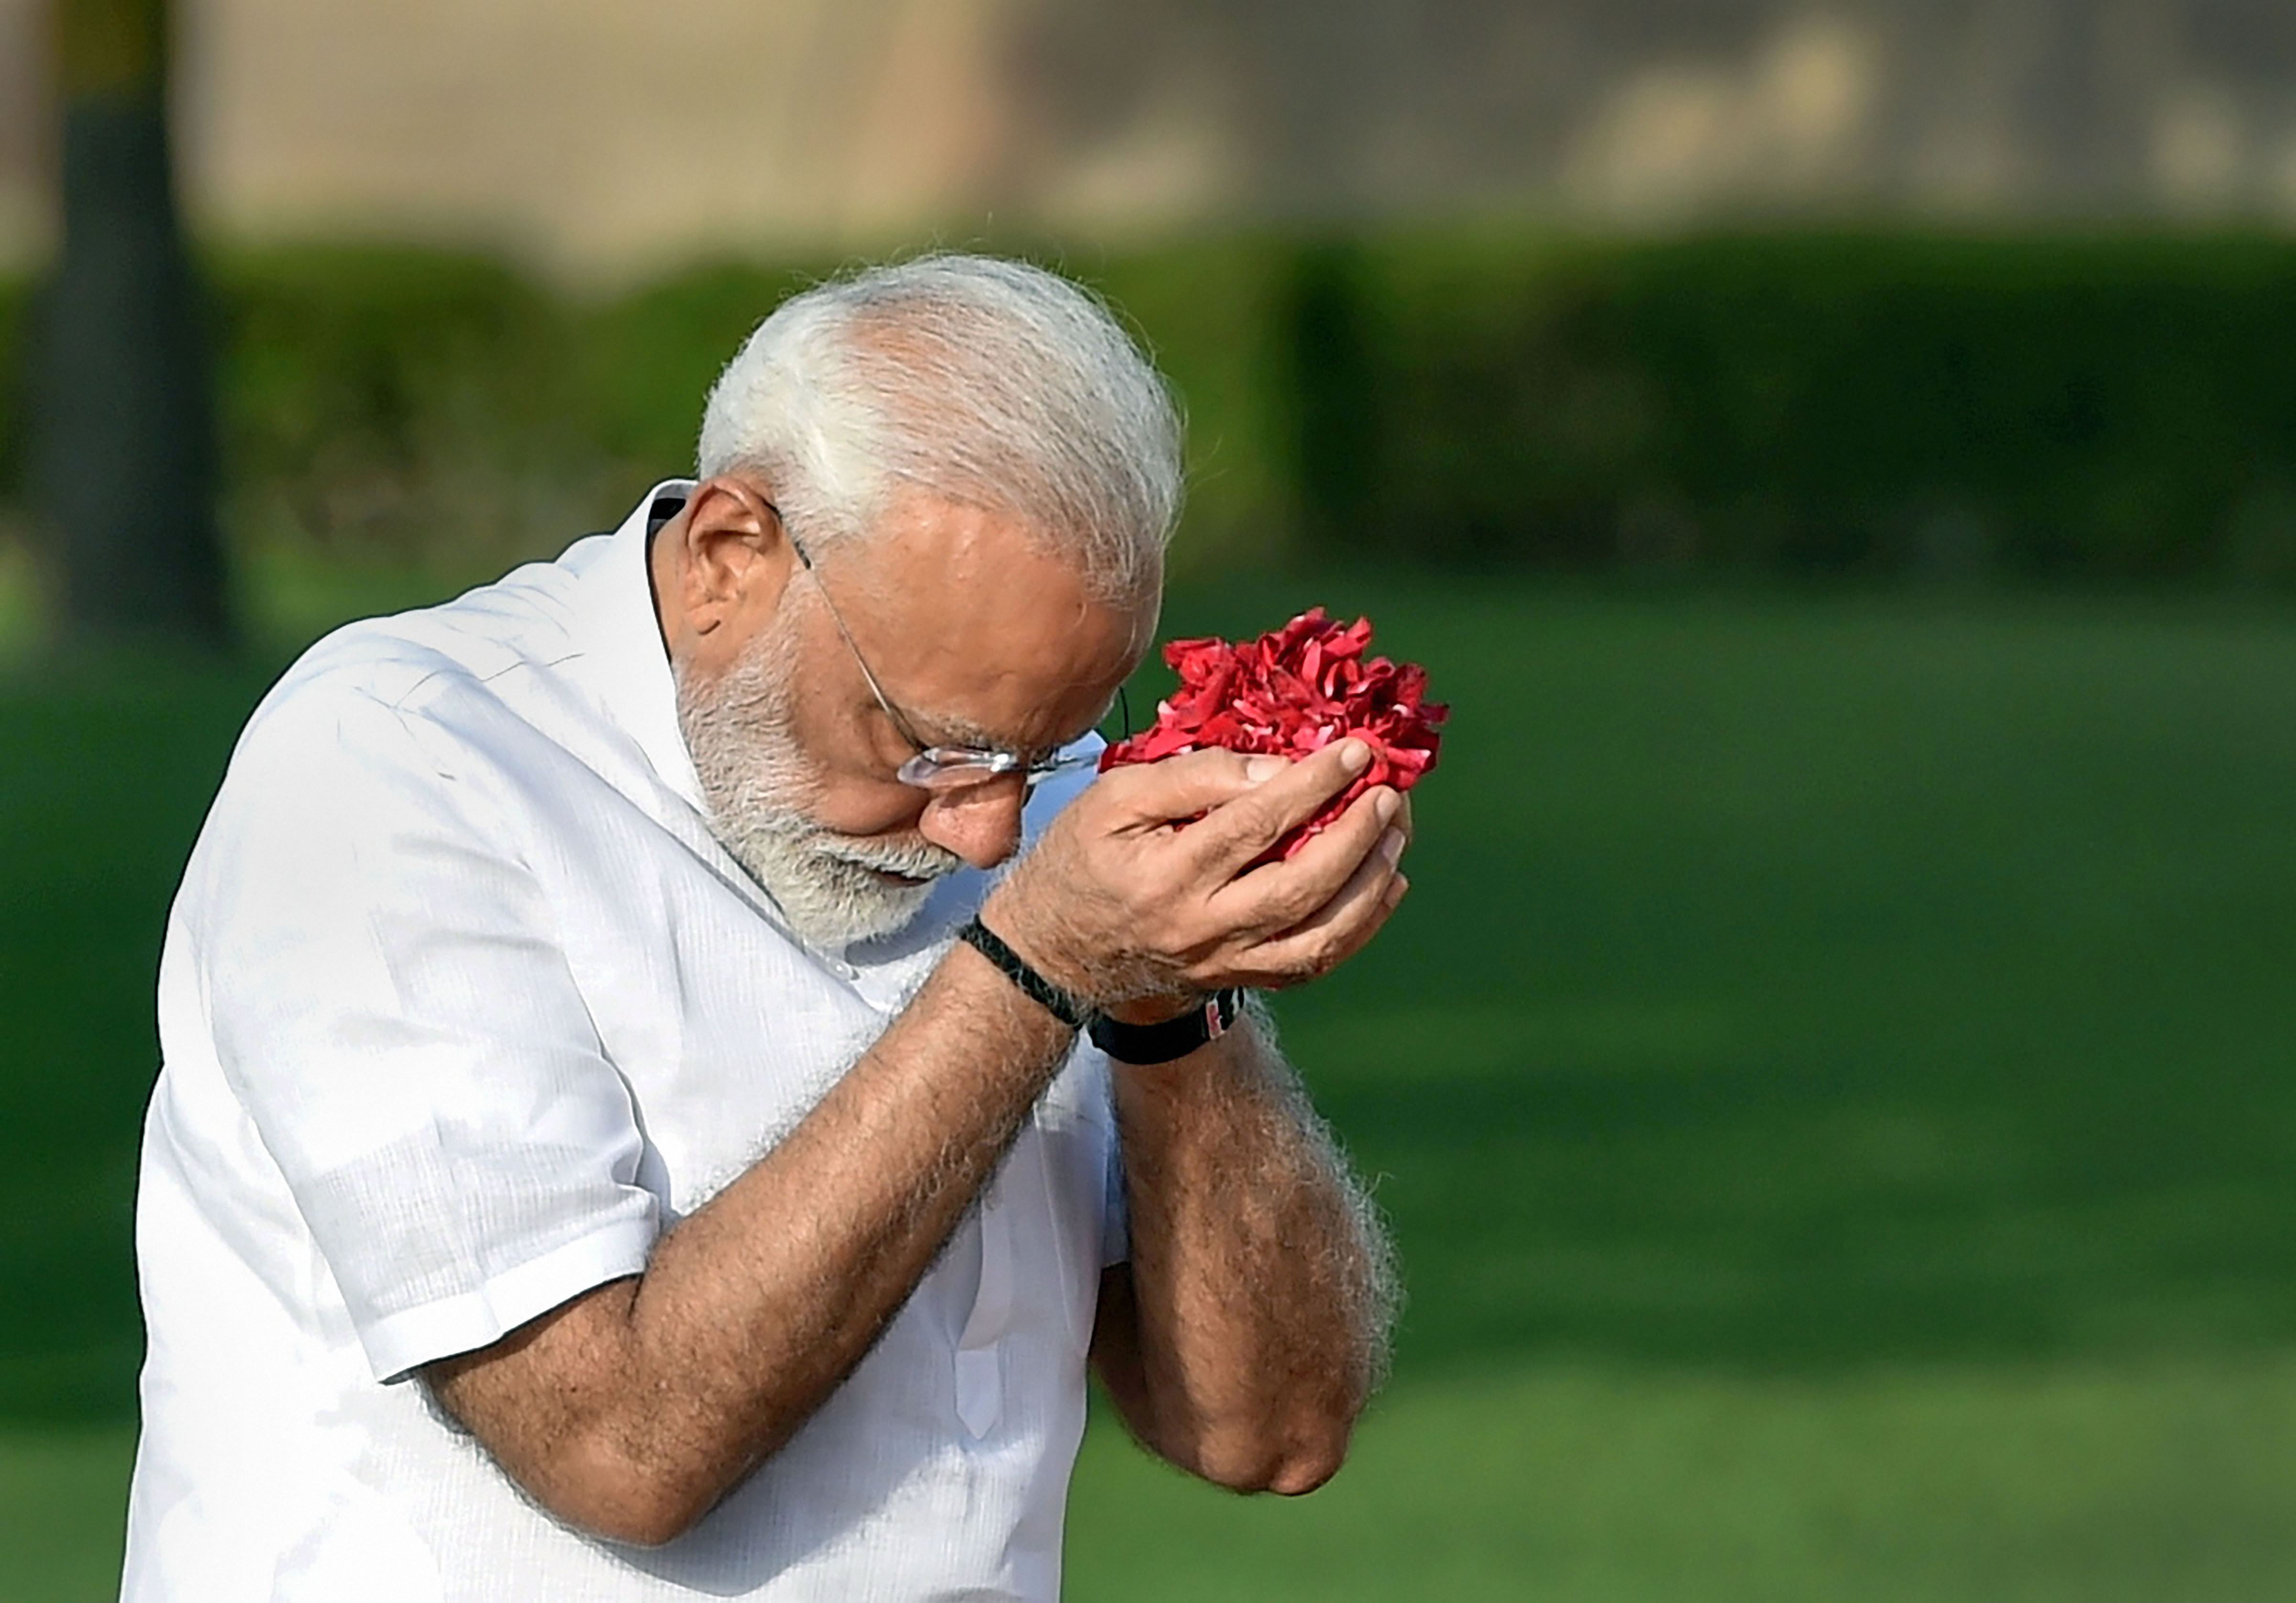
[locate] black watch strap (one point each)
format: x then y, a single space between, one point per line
1143 1045
1014 967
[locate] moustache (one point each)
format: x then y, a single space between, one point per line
919 861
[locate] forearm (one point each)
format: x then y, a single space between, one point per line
1262 1286
754 1308
632 1409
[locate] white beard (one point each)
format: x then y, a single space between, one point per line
756 787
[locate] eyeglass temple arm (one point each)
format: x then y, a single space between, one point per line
901 724
868 677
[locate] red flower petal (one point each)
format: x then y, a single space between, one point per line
1293 692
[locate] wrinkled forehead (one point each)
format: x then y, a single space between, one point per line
982 631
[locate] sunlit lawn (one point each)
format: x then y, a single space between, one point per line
1830 1080
1538 1480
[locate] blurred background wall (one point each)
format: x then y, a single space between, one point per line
610 139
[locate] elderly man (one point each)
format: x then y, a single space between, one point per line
670 1074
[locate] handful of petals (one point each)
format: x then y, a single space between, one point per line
1290 692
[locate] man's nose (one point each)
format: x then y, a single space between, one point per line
980 823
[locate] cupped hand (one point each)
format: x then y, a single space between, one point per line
1144 895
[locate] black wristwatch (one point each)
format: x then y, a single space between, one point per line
1140 1044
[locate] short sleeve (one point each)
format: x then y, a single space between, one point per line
389 1001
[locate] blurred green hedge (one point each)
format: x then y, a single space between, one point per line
2107 407
2096 407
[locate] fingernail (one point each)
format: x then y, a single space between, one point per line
1257 768
1355 756
1390 845
1387 807
1396 887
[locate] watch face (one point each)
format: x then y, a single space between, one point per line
1219 1013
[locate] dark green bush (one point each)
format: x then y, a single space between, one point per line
402 406
2103 407
444 412
2116 409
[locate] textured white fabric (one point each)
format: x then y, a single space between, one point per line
461 1005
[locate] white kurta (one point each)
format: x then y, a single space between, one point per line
461 1005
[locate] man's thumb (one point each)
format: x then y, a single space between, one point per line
1189 786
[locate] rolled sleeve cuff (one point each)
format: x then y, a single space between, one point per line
400 1343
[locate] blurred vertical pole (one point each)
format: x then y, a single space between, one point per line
121 386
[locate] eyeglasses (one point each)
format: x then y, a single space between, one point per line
936 768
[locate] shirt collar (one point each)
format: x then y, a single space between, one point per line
624 659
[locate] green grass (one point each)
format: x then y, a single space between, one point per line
1828 1081
1601 1485
63 1496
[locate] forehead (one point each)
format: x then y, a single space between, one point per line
978 632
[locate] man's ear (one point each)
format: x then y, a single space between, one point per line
735 556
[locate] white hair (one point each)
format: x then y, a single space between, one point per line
974 379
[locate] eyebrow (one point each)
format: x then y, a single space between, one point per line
950 731
963 732
954 731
